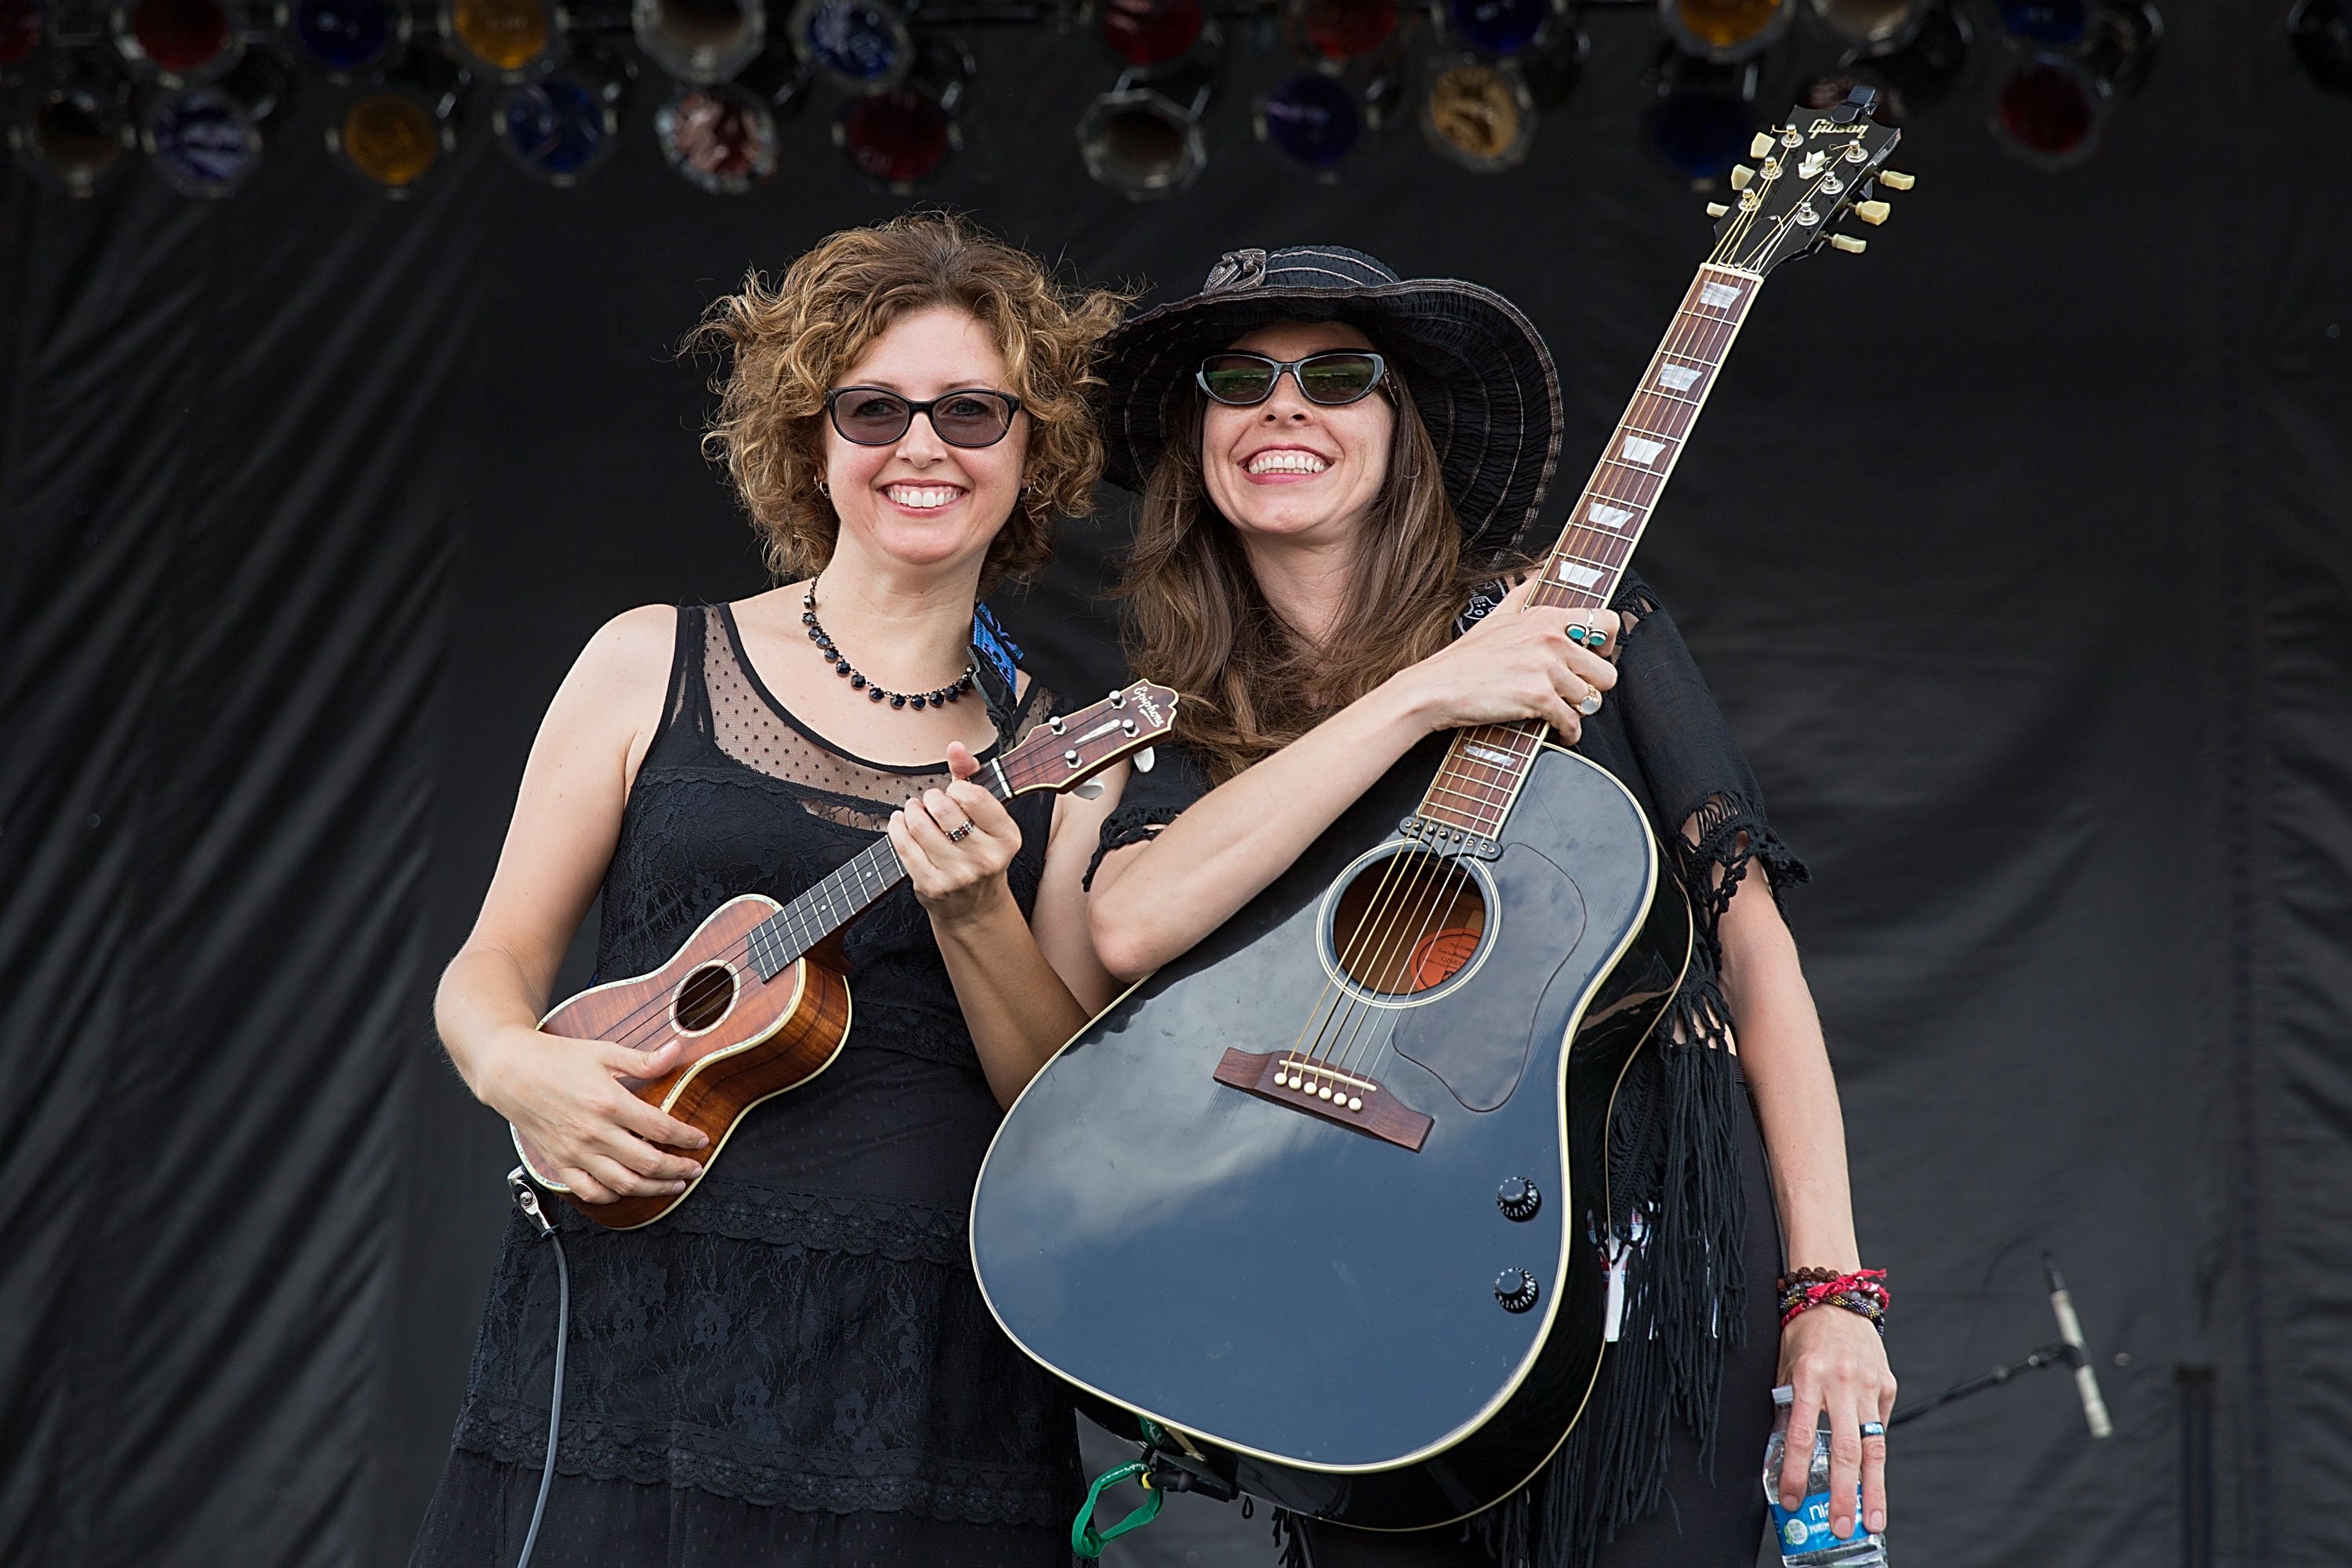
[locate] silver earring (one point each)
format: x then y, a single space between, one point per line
825 489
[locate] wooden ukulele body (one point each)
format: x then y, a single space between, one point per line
747 1038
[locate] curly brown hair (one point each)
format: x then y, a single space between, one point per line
788 341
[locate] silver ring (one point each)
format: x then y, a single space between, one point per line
958 836
1873 1428
1591 703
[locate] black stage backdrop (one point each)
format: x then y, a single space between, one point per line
2019 552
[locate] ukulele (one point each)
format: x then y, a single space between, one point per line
759 994
1325 1198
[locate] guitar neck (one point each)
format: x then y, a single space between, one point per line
839 897
1487 764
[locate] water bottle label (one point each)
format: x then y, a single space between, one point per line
1806 1528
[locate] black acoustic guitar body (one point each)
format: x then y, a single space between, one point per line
1384 1306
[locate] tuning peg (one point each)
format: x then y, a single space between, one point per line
1716 209
1762 145
1873 213
1742 176
1848 243
1894 180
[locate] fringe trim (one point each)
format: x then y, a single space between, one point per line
1679 1192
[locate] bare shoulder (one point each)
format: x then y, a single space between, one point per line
613 694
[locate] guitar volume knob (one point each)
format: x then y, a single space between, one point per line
1518 1198
1515 1290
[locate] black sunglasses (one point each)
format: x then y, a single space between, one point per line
1245 379
875 416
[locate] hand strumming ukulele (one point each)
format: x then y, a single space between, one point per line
758 994
1325 1198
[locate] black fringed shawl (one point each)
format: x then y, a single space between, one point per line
1670 1148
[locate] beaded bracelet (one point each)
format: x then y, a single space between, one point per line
1862 1292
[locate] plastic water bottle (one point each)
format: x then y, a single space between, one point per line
1802 1533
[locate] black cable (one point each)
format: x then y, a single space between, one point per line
526 1197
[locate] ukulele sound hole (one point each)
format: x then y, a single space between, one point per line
1407 923
705 997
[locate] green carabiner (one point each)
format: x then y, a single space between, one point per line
1085 1539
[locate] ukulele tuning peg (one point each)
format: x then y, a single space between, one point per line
1742 176
1716 209
1848 243
1873 213
1895 181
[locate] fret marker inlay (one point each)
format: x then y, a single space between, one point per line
1677 377
1718 296
1576 572
1489 754
1609 516
1641 450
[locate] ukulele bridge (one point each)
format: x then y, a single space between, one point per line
1315 1087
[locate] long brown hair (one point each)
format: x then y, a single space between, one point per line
1198 621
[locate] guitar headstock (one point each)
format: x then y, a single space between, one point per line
1069 750
1806 174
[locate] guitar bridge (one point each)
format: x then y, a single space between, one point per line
1317 1088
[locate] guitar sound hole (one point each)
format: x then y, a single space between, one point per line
1407 924
705 997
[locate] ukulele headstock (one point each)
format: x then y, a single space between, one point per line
1806 174
1067 751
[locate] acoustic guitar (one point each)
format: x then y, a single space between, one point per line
759 993
1327 1198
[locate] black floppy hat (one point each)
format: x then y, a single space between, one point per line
1481 377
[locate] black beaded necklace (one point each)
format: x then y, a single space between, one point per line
834 656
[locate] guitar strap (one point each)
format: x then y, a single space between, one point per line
996 663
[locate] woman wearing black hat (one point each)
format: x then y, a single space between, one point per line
1332 461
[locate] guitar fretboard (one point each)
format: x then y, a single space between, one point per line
1487 763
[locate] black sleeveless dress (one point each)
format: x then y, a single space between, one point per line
795 1366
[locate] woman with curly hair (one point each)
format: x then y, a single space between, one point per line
795 1366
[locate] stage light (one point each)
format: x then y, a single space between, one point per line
2055 23
1922 73
398 129
1342 29
1152 32
1704 118
718 136
347 39
2049 110
23 24
177 41
1722 30
1480 115
863 44
1312 120
898 137
565 123
1869 26
205 141
510 39
2321 32
700 40
1142 138
1500 27
2052 105
73 125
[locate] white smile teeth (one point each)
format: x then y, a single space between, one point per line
922 498
1287 463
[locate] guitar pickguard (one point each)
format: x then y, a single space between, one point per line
1477 1042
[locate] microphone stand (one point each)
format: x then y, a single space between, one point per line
2058 1354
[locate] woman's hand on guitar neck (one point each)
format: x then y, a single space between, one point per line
956 843
569 1100
1517 664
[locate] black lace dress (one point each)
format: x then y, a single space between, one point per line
795 1366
